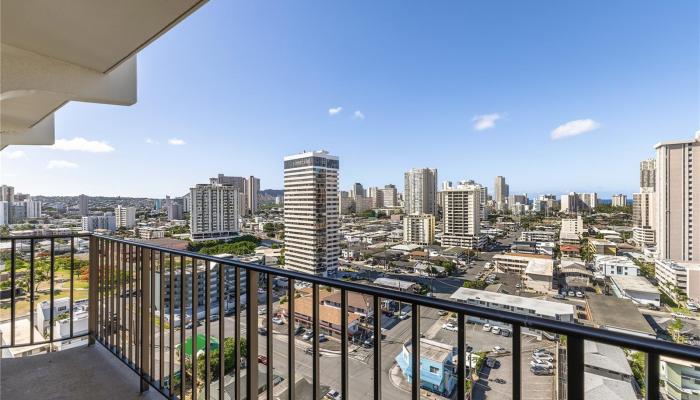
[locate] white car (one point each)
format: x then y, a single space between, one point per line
450 327
403 316
543 357
333 395
277 321
579 294
499 350
486 328
496 330
541 363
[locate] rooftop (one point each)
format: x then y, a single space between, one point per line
607 357
432 350
627 316
542 307
602 388
634 283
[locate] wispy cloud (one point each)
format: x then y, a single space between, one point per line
82 144
574 128
14 155
176 142
358 115
334 111
486 121
60 164
151 141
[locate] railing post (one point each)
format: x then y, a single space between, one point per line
574 367
145 339
652 376
93 290
252 332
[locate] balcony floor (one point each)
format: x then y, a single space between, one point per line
80 373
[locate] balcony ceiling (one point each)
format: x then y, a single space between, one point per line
83 50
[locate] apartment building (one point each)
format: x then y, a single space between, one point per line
462 216
571 230
678 279
644 218
501 192
419 229
126 217
389 196
681 379
677 201
215 211
538 236
311 212
92 223
83 205
647 174
615 265
252 193
522 305
619 200
420 191
518 262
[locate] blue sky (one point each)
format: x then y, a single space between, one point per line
241 84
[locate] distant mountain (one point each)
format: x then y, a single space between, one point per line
272 192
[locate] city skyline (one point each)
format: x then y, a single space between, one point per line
472 109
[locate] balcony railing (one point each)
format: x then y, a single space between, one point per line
144 306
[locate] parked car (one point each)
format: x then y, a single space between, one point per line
579 294
541 363
299 330
505 332
496 330
308 335
450 327
403 316
277 321
310 351
541 371
486 327
442 313
559 296
543 357
518 286
262 331
571 293
492 363
214 317
322 338
500 350
333 395
542 350
262 311
500 380
262 360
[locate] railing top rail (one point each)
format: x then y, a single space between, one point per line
641 343
45 237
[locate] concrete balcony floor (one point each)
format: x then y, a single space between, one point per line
79 373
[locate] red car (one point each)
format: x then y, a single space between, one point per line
262 360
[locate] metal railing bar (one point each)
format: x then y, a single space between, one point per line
171 331
517 365
377 346
574 367
207 328
52 277
461 356
20 345
316 366
344 344
161 314
222 319
151 317
195 323
237 337
31 288
652 376
252 333
72 278
270 333
13 288
291 342
117 297
183 330
415 352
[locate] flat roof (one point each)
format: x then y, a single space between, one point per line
432 350
626 315
542 307
635 283
607 357
598 387
539 267
522 255
394 283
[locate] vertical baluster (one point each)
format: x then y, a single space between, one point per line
171 304
252 333
316 366
461 355
415 353
574 367
269 336
117 297
93 289
51 295
146 318
195 322
138 304
152 316
377 313
652 376
207 328
183 290
222 318
123 292
72 272
237 335
291 348
13 287
31 288
161 314
344 344
517 353
110 293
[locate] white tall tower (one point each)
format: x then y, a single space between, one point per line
462 216
311 213
215 211
420 191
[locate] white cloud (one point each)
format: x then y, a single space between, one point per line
82 144
334 111
573 128
151 141
16 154
486 121
358 115
176 142
60 164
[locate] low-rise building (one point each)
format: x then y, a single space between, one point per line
626 317
615 265
518 262
538 236
602 246
678 279
538 275
636 288
329 316
607 373
397 284
147 232
437 369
